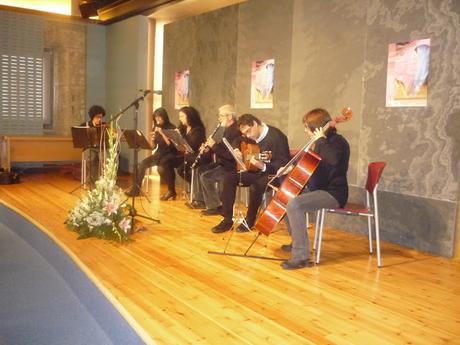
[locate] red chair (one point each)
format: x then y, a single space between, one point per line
370 210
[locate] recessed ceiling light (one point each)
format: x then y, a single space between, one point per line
52 6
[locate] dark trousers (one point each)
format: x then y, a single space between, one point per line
166 162
257 182
92 165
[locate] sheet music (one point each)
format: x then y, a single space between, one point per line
178 140
237 159
219 135
136 139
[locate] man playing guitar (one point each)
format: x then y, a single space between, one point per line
269 139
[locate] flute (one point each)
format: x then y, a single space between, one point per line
198 157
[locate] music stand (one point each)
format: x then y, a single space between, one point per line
178 140
239 218
183 146
137 141
219 135
83 139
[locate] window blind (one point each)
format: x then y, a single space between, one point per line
21 74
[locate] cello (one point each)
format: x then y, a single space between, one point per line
294 182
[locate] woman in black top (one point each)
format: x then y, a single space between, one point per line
165 151
192 130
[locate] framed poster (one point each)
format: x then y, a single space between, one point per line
407 73
181 89
262 84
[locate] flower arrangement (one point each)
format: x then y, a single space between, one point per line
103 211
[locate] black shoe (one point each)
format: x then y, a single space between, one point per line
286 248
223 226
296 264
195 204
169 195
242 228
212 211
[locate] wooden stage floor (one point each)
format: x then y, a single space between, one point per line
179 294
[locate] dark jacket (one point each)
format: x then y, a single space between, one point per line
194 138
331 173
276 142
223 155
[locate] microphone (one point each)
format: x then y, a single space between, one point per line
146 92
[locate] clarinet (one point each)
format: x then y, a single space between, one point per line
198 157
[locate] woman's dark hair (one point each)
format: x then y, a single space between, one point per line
193 117
248 120
316 118
95 110
161 112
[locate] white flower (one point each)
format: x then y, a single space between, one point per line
125 224
105 204
111 208
95 219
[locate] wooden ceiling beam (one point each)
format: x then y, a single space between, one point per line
123 9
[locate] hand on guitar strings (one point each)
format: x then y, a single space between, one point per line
238 153
257 163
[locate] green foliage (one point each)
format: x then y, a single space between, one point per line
103 211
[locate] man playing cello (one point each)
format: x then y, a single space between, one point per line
326 188
269 139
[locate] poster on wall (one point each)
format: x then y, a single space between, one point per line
262 83
407 73
181 89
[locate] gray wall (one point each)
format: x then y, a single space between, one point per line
264 32
68 43
95 65
206 45
126 59
421 145
333 53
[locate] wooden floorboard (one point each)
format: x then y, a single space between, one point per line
180 294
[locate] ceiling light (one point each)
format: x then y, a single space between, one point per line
52 6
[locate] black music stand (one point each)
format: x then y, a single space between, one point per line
84 137
239 217
137 141
178 140
183 146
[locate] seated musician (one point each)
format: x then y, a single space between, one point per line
96 113
326 188
192 130
165 152
210 176
269 139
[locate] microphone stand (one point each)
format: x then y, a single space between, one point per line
133 212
